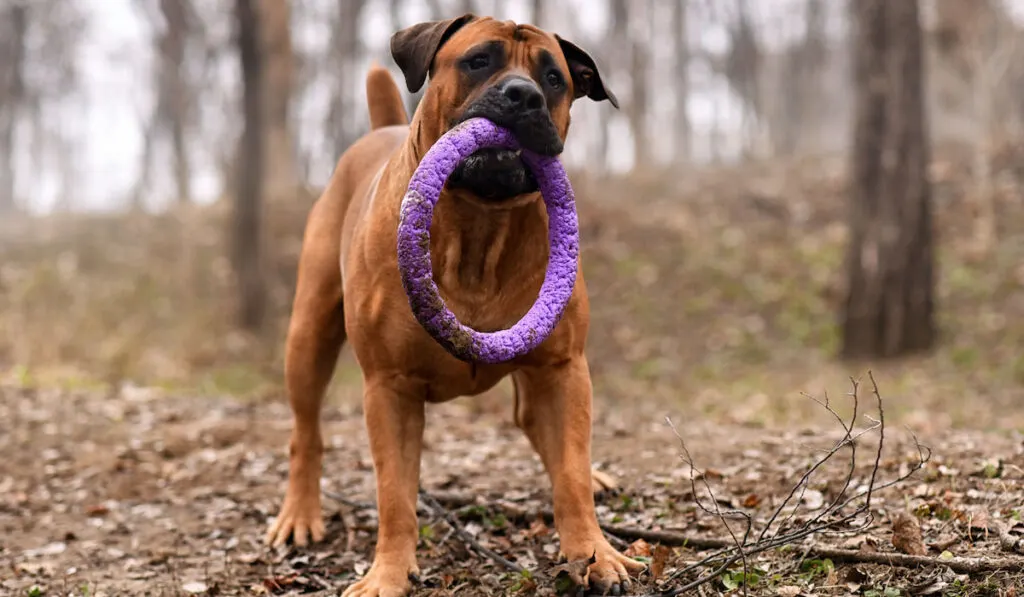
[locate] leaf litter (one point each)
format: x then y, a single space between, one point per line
173 495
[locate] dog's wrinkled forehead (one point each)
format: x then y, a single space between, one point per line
517 46
468 44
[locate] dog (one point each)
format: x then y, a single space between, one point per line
489 251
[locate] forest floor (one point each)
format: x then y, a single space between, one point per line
143 439
140 492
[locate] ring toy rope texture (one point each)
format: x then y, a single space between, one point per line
414 264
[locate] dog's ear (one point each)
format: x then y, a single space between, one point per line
414 47
586 80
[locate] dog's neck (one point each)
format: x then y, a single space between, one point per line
479 252
481 248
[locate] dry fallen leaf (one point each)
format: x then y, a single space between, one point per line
981 525
930 588
50 549
639 548
575 571
602 481
96 510
661 554
855 575
787 591
751 501
944 542
537 528
813 499
1012 539
195 588
906 535
709 473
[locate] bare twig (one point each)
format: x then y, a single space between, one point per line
350 503
835 515
456 526
961 565
738 543
432 507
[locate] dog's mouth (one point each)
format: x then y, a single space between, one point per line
494 174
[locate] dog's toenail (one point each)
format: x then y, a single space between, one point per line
414 578
616 590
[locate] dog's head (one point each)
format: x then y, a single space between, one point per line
518 76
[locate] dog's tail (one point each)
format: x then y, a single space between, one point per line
384 99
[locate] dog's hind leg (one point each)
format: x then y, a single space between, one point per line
315 336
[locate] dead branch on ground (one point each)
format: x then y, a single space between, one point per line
453 522
849 511
844 511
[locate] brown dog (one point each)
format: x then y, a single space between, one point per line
489 249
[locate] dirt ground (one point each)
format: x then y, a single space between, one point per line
143 492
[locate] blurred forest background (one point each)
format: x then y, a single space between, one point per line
158 159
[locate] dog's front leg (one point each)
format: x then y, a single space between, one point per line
553 407
394 421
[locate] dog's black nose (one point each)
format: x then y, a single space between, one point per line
522 94
518 104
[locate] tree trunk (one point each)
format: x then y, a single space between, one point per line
743 68
346 46
618 70
149 132
984 193
248 200
889 309
682 80
639 105
281 172
12 97
175 92
537 16
7 203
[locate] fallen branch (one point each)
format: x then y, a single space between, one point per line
431 506
669 538
835 515
956 564
512 512
676 539
456 526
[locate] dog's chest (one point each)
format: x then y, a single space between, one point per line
463 379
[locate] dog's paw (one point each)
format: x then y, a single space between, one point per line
610 572
300 519
384 580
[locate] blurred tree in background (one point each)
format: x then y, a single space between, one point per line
254 57
889 309
177 29
746 128
39 43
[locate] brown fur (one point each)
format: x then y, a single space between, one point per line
383 99
489 262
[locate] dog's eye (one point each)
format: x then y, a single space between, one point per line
479 61
555 80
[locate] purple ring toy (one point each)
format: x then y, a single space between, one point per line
414 247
